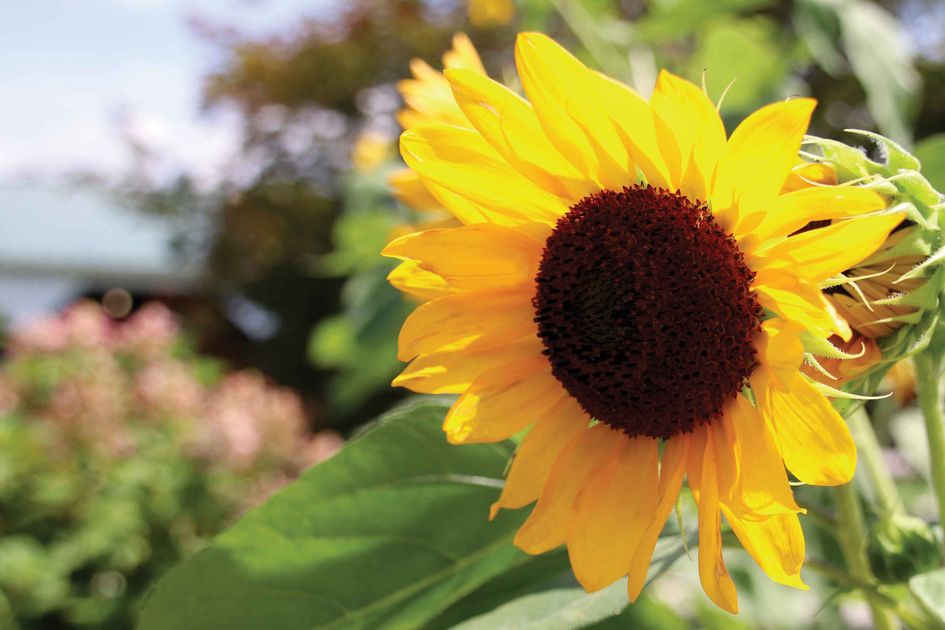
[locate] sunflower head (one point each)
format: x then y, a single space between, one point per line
637 289
893 298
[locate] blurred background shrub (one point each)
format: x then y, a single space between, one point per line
121 451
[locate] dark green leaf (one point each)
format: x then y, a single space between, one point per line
392 530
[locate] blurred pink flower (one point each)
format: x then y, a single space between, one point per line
93 397
83 324
169 388
320 447
247 419
150 331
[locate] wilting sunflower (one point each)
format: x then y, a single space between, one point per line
625 285
892 299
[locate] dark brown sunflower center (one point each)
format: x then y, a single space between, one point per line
645 308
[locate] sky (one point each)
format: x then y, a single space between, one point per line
73 68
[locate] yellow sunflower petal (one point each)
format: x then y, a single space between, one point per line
780 349
509 124
818 254
547 525
422 71
410 191
501 403
815 442
672 468
612 512
763 488
633 120
454 371
776 544
463 55
759 156
464 210
693 184
490 319
571 109
800 301
461 161
410 278
539 450
473 257
790 212
725 455
428 96
716 581
806 174
693 123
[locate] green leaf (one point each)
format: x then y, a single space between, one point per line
818 26
391 531
668 20
539 573
876 47
556 609
929 589
931 152
567 605
743 51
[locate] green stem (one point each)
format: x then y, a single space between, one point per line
928 372
851 534
871 455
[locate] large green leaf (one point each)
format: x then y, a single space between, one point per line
393 529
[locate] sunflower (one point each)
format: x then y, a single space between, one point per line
625 285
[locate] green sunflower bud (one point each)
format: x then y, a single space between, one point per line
894 298
901 546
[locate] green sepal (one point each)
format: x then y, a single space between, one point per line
821 347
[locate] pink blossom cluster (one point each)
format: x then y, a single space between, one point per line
96 382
